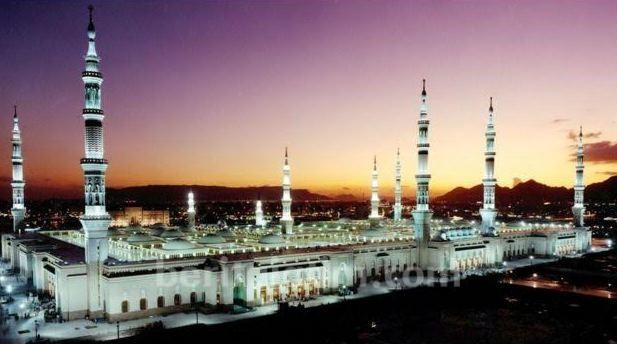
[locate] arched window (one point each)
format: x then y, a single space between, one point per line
160 301
143 304
125 306
177 300
193 298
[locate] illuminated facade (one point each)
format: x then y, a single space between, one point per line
139 216
137 272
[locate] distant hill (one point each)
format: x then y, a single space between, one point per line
532 192
178 193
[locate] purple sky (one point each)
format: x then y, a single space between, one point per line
211 92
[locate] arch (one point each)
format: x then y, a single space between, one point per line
143 304
125 306
177 300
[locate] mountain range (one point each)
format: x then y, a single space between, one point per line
532 192
178 193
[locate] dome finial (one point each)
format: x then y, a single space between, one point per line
286 155
375 163
15 111
491 104
91 23
580 133
423 87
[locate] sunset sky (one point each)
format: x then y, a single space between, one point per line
211 92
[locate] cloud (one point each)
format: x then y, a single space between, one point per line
601 152
559 120
573 135
608 173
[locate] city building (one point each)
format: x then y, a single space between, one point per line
139 216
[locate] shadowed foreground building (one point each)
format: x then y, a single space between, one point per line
135 271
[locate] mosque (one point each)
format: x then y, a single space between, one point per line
132 272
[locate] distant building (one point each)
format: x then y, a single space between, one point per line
138 216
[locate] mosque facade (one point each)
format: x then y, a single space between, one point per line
133 272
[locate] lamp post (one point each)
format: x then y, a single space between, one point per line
118 329
36 330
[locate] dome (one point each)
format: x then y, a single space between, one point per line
140 238
372 232
211 239
225 233
178 244
171 233
271 239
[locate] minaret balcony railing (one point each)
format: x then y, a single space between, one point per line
92 111
92 74
93 161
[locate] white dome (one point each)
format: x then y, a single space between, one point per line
178 244
211 239
271 239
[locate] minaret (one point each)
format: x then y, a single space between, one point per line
259 214
286 219
578 210
488 211
95 220
19 210
422 214
397 188
191 212
374 217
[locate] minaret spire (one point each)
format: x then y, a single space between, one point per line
95 220
191 211
18 211
286 219
578 210
422 214
374 216
488 211
259 213
397 188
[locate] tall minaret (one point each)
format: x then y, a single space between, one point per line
578 210
191 212
286 219
422 214
95 220
397 188
374 217
259 214
19 210
488 211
